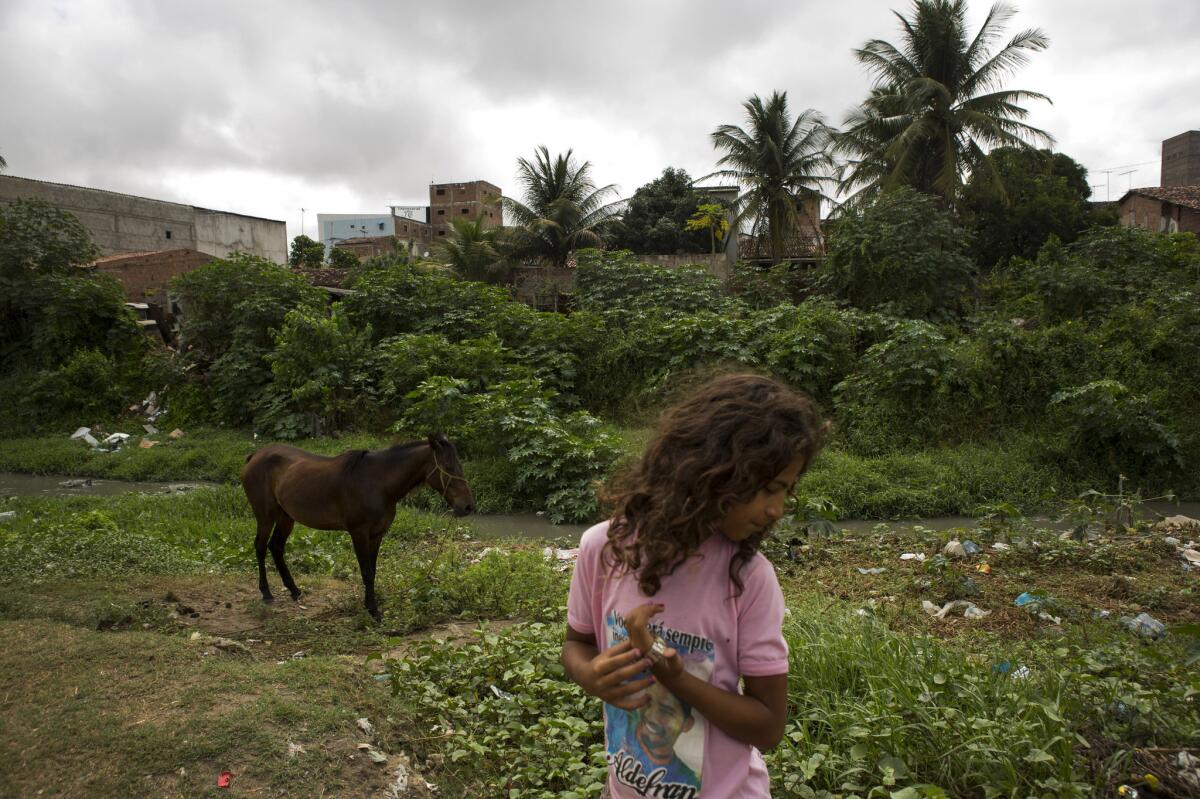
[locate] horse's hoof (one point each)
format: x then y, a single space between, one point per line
268 599
295 596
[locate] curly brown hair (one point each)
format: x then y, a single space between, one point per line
714 449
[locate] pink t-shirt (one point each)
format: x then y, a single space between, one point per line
666 750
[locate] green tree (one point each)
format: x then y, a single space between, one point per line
778 162
711 217
471 250
937 102
340 258
306 253
563 210
656 216
1041 194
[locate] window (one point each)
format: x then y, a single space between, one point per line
441 192
441 233
441 212
381 226
466 211
168 234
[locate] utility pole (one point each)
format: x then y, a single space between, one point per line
1129 185
301 221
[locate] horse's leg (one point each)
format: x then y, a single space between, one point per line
260 549
366 549
373 556
283 528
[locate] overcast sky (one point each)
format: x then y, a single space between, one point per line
267 107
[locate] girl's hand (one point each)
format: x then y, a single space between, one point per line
637 625
610 674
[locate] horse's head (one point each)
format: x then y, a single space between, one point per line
446 475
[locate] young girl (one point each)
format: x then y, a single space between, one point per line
671 603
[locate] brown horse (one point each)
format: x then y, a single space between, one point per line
356 491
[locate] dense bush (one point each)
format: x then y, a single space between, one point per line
904 255
231 309
68 344
556 458
619 283
1103 421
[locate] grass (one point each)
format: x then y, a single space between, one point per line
113 684
948 481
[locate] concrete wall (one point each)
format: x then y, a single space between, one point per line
464 201
717 264
122 223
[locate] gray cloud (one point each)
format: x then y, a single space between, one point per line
270 106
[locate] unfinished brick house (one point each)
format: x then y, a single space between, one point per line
1171 209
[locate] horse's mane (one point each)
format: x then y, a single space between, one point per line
351 459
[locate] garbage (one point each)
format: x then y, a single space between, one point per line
919 557
1152 782
1100 614
81 483
1191 556
1127 792
875 570
224 778
84 434
8 514
1022 673
146 443
1000 546
1006 667
565 557
1026 599
176 433
231 646
983 568
502 694
954 549
969 610
1189 769
365 725
295 749
399 785
1145 626
116 438
1173 541
373 752
150 429
970 547
1178 523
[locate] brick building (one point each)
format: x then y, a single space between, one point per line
145 276
1174 209
1181 160
415 229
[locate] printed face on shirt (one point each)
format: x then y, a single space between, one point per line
764 508
661 722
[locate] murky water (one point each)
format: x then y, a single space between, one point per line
522 525
32 485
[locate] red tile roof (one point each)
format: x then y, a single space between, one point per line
1187 196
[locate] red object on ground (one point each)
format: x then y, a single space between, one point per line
223 780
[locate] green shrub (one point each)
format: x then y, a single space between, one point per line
903 255
910 390
616 282
1107 424
324 366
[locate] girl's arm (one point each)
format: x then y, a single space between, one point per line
756 717
604 675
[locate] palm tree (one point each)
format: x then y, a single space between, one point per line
778 163
563 209
936 102
471 250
